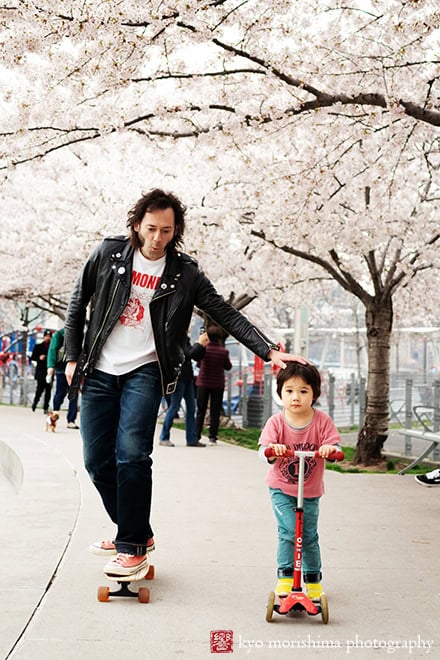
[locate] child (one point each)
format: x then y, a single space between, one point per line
298 426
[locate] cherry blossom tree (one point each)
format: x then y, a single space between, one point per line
303 134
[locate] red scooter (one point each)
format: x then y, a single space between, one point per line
297 600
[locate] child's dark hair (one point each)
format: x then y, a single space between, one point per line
308 372
215 334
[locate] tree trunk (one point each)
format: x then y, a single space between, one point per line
374 431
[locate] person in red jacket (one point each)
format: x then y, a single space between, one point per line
213 360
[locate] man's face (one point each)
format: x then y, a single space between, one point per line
155 231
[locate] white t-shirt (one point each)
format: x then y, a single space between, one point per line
131 342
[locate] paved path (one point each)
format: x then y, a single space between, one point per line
215 559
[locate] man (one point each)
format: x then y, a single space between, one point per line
143 292
39 356
56 366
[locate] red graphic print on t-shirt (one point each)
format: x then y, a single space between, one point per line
133 313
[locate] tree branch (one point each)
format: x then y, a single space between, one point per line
342 277
325 100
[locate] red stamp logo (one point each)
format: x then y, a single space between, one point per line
221 641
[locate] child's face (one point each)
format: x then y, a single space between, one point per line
297 395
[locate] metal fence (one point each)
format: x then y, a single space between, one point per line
254 403
412 401
16 389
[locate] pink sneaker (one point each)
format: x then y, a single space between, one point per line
103 548
108 548
125 564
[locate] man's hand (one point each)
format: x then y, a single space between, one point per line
279 359
69 371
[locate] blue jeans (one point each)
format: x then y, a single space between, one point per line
61 389
118 420
185 390
284 509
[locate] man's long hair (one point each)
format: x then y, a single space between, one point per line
155 200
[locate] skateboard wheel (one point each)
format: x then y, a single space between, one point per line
150 574
324 608
270 604
144 595
103 594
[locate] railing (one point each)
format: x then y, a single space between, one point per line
254 403
344 401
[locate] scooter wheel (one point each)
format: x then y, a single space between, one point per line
324 608
270 605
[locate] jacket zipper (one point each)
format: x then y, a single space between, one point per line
270 346
161 295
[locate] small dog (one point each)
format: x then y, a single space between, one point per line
51 421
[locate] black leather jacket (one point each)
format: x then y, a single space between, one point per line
105 283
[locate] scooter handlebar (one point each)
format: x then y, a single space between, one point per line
337 455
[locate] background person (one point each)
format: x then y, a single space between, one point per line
39 356
213 359
56 365
185 389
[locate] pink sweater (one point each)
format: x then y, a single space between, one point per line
283 473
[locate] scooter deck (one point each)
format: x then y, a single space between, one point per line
297 601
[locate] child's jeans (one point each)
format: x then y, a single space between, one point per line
284 509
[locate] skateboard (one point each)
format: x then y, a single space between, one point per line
124 581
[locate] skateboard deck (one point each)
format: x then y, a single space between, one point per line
124 581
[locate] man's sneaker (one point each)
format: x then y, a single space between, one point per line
429 479
72 425
126 564
105 548
166 443
212 442
284 586
108 548
314 590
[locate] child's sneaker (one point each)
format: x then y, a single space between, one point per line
126 564
108 548
314 590
284 586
